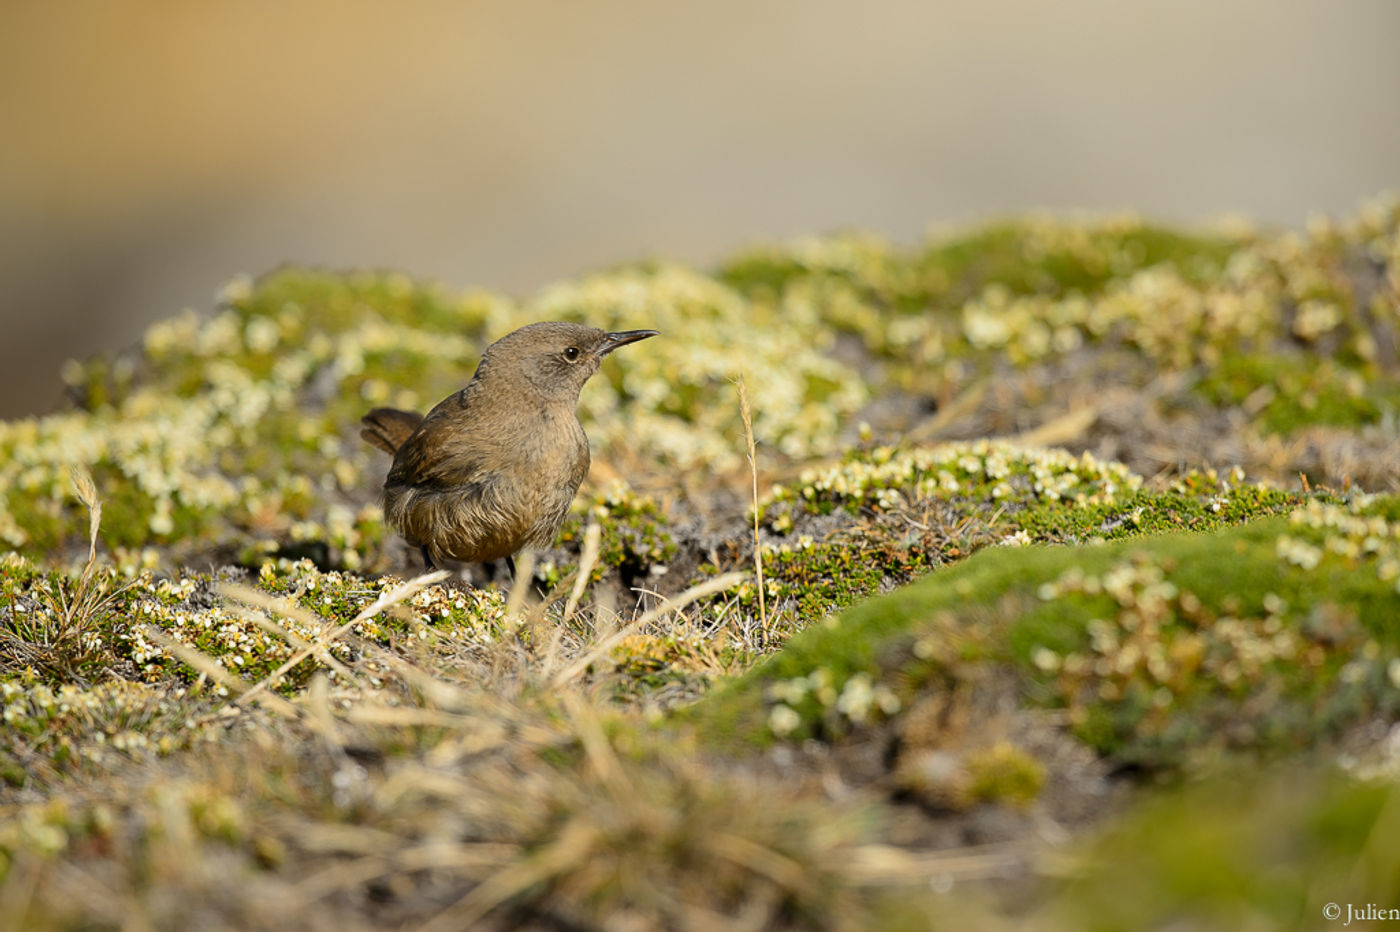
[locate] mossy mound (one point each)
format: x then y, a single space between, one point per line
1274 850
1159 652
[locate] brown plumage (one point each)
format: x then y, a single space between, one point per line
388 428
493 468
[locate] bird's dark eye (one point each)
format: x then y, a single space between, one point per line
571 353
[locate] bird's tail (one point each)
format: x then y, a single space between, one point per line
388 428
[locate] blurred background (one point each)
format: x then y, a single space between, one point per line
152 150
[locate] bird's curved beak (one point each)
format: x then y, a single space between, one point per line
621 338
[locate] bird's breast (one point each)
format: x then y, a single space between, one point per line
507 489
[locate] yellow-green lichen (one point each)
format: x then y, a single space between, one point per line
244 424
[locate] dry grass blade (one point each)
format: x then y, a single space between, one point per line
379 714
316 701
21 880
577 582
588 558
215 671
74 884
466 859
694 593
385 601
1063 429
520 586
257 599
753 472
87 494
596 746
880 865
436 692
761 859
571 848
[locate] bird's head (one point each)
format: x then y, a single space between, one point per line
552 359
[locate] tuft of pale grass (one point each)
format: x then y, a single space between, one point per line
64 639
606 644
385 602
646 840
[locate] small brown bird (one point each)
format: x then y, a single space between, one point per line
494 467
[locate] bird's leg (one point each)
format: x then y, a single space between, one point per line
458 579
492 568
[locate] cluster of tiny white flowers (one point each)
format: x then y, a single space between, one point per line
1297 552
883 479
104 715
1161 310
1346 532
1145 637
1026 328
857 701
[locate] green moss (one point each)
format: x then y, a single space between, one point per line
1155 653
888 479
56 628
1296 391
1195 501
896 530
1004 773
1253 850
43 522
305 302
813 580
1057 258
1037 256
1278 315
633 536
188 609
216 428
133 697
654 667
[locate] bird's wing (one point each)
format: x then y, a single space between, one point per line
388 428
442 452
